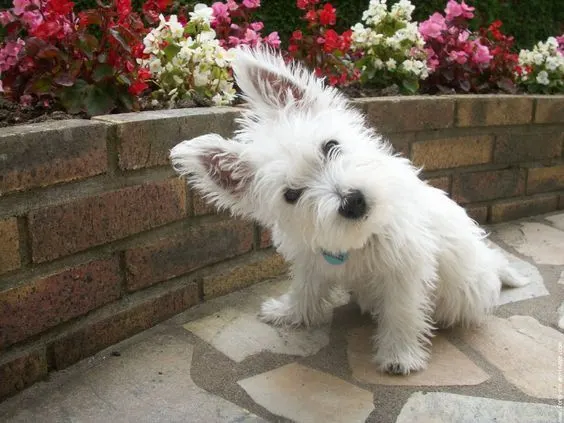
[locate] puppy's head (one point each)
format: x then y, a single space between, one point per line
303 161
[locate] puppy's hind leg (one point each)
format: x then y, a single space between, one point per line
306 303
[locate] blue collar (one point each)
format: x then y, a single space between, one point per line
335 259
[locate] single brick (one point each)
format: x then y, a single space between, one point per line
550 109
138 317
196 247
527 147
516 209
71 227
22 372
478 213
489 185
48 153
239 277
399 114
545 179
201 207
265 240
442 183
9 245
494 110
145 139
452 152
41 304
400 141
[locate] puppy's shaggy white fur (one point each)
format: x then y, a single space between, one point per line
305 164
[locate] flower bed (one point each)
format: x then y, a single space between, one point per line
111 59
99 239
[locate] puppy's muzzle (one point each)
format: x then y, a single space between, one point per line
353 205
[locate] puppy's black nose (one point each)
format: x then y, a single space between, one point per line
353 205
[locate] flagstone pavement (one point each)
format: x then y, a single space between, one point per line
218 363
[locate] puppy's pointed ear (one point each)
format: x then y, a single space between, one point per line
267 82
216 168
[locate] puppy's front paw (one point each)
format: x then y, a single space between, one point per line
402 363
278 312
283 312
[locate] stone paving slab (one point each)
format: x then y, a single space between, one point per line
148 382
306 395
448 365
218 363
439 407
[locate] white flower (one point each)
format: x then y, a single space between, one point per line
391 64
542 78
378 64
201 13
552 63
538 58
217 99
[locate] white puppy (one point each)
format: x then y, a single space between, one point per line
343 209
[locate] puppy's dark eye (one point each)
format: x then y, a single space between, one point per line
330 148
292 195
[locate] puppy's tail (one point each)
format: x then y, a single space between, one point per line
511 277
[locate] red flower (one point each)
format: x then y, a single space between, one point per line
62 7
138 87
328 15
332 41
47 29
144 74
297 35
163 4
292 48
302 4
311 16
124 8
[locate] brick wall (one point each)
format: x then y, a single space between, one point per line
99 239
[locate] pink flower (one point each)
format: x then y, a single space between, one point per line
25 100
463 36
272 39
251 37
560 41
432 60
32 19
1 87
251 4
20 6
234 41
256 26
454 10
232 5
220 11
458 57
9 54
432 27
6 17
481 54
235 27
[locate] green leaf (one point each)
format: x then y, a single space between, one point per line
101 72
170 51
98 101
117 36
88 44
41 85
126 100
65 79
411 86
72 98
48 52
